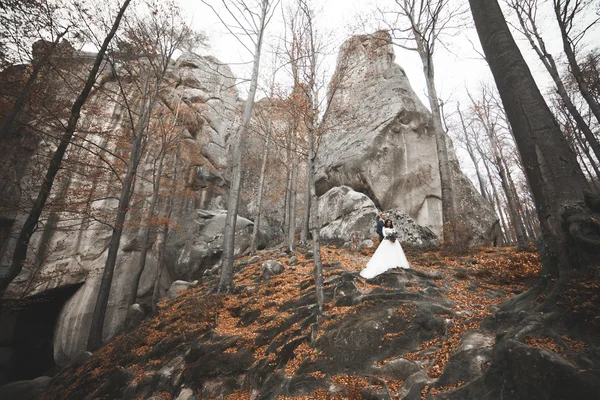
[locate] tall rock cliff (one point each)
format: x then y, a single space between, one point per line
379 140
199 103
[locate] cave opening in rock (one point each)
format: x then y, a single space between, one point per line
27 333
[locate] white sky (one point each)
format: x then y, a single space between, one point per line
458 66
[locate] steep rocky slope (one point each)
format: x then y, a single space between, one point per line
438 331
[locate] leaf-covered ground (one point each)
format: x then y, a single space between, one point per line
393 337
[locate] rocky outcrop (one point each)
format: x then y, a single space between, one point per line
379 141
346 214
435 331
200 101
194 247
198 244
409 232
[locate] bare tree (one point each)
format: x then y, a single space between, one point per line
425 21
466 139
168 140
577 142
556 180
153 39
261 186
166 227
308 101
483 109
567 12
252 25
526 11
496 200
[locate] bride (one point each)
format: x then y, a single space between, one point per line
388 255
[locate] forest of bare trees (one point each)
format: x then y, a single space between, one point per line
535 154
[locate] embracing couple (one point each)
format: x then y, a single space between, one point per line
389 254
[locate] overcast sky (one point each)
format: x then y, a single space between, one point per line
457 64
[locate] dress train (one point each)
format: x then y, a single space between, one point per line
387 256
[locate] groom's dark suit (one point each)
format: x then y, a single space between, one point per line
379 229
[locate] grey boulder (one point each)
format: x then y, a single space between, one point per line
272 267
344 212
179 286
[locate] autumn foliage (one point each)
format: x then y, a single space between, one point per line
260 319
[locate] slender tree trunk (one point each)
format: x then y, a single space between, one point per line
512 208
20 252
507 232
561 9
583 127
261 185
578 152
163 244
306 218
510 198
314 223
148 100
535 223
147 232
593 178
579 140
472 154
288 202
515 195
288 191
293 194
97 325
226 279
511 201
284 224
159 261
448 209
512 186
555 178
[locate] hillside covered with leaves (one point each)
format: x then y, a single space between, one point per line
422 333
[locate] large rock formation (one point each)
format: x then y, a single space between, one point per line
379 140
386 159
346 214
199 99
195 247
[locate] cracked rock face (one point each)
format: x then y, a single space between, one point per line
379 140
200 96
205 99
344 212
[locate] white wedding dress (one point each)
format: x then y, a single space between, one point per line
387 256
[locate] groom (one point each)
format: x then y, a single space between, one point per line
380 224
